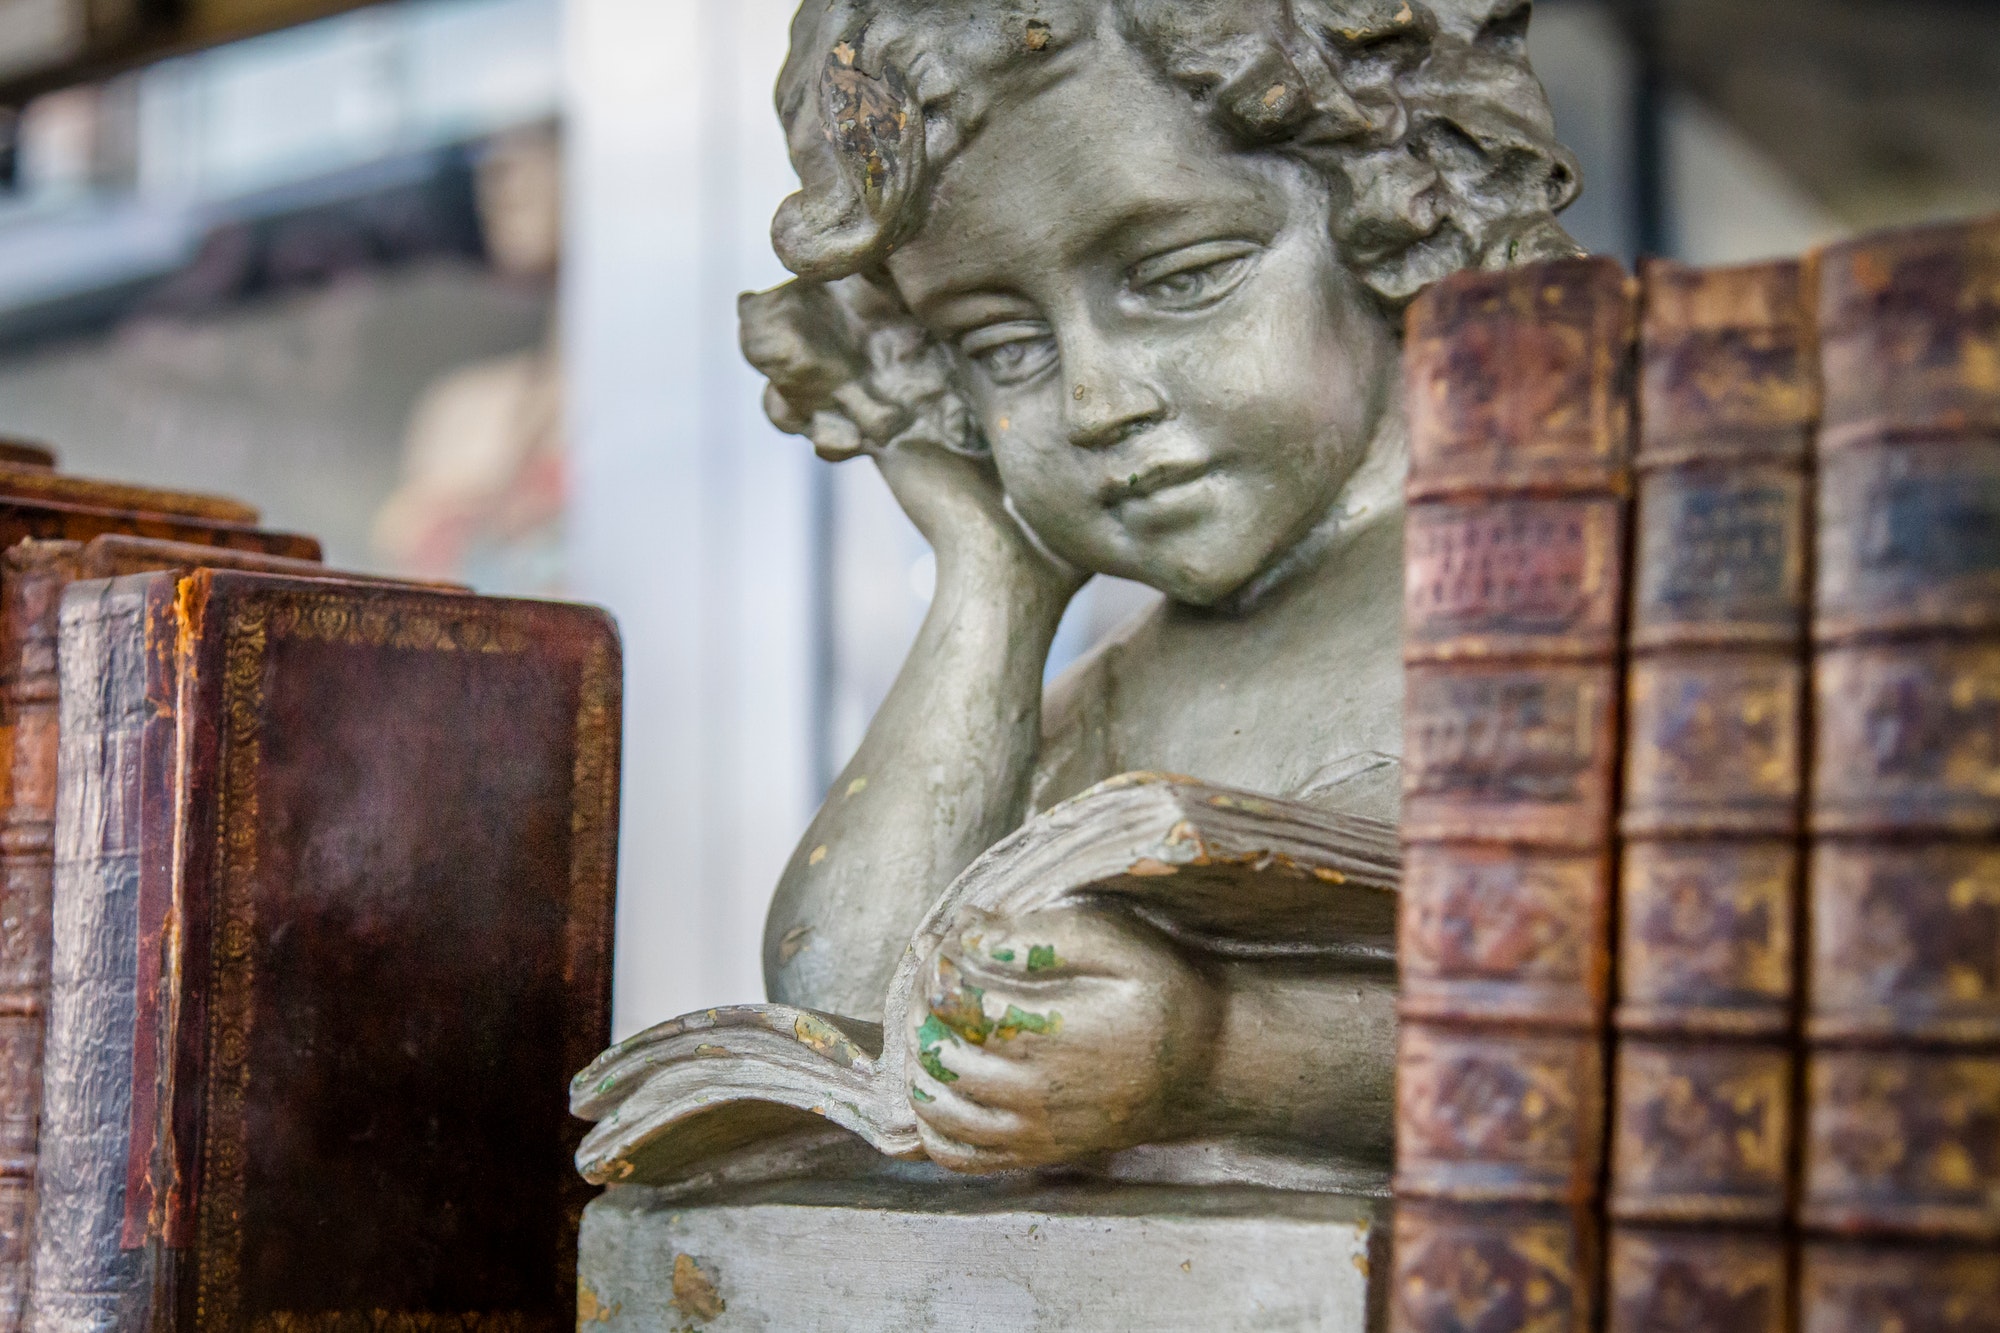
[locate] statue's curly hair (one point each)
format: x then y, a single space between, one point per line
1422 115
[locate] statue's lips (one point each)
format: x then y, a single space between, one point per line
1153 480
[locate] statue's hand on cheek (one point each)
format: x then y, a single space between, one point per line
1054 1035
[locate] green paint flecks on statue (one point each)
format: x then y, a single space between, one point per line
960 1005
1016 1021
930 1037
1041 957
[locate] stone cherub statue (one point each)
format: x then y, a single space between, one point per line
1113 286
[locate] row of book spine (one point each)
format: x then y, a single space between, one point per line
1701 924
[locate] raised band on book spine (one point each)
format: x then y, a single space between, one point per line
1704 1076
1901 1191
1519 389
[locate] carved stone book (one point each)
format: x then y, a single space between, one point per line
1703 1077
1233 874
333 922
1902 1156
30 588
1519 393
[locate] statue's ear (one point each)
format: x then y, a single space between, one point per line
860 162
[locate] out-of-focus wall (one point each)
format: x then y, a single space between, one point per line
693 519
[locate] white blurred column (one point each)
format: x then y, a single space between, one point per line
692 518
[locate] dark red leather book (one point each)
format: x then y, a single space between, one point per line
1519 393
1901 1196
366 871
1703 1139
31 584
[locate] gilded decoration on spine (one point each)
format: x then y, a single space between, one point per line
1707 940
396 1321
1906 942
440 626
1498 1115
1467 1268
1699 1280
219 1216
593 826
1495 932
1703 1132
1511 575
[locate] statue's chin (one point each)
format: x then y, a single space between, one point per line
1227 573
1202 562
1198 587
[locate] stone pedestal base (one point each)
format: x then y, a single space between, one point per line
853 1256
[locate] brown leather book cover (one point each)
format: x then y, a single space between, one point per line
23 519
22 453
1909 1287
31 584
393 914
1901 1190
29 479
1704 1077
1518 386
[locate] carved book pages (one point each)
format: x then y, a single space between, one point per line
31 586
1901 1194
366 924
1703 1078
1223 872
1518 386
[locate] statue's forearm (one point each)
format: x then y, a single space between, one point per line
942 775
1306 1056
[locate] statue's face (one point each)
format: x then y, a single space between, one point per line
1175 370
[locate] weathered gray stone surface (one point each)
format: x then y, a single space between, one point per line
805 1257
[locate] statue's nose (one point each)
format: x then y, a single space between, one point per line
1105 411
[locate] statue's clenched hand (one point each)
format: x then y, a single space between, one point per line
1054 1035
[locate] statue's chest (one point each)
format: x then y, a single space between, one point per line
1277 721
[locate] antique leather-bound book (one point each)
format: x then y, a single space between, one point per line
1703 1079
29 588
1519 388
20 453
1901 1189
31 584
334 883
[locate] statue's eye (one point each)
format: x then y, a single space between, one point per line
1195 276
1011 353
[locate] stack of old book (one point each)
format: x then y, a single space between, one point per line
1700 927
307 918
